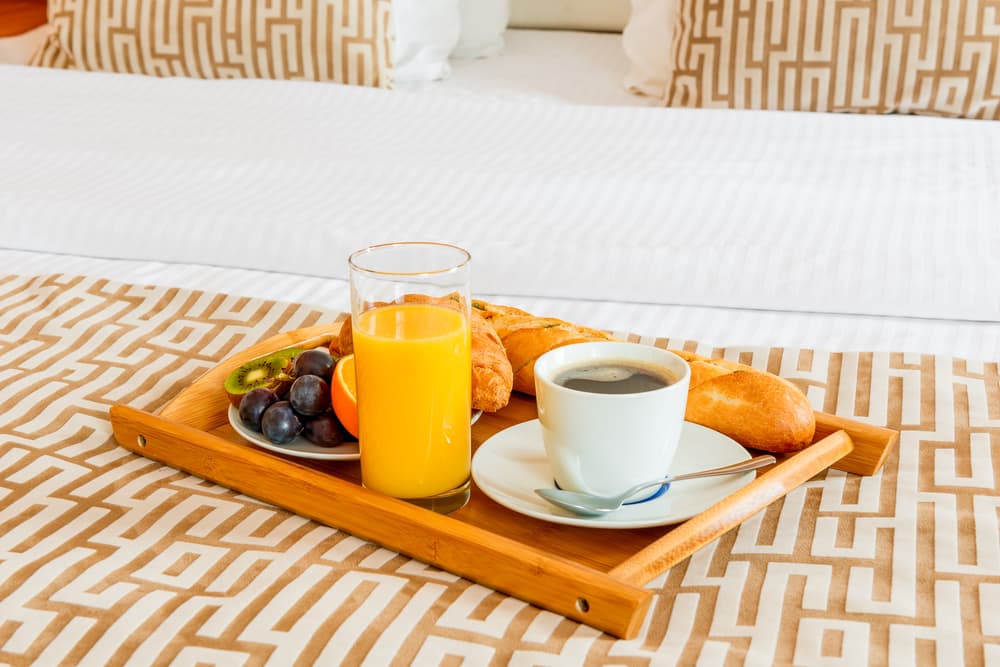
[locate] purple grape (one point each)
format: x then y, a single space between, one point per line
253 404
325 431
309 395
317 361
280 423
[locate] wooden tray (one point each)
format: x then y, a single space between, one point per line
586 574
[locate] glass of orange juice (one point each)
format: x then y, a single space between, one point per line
412 354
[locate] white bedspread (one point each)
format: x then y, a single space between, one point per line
776 211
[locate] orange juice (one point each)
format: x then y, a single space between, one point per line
414 371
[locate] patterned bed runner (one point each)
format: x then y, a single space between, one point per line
109 558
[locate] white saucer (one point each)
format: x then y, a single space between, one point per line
301 447
511 465
298 447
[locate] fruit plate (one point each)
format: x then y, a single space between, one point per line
300 447
575 571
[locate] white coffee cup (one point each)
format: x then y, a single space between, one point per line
604 443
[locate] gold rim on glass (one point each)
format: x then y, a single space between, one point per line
356 255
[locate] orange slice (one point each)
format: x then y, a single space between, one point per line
344 394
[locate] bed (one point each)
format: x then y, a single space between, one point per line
151 226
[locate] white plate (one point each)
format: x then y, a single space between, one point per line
511 465
300 446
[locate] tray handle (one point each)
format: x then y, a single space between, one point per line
872 444
731 511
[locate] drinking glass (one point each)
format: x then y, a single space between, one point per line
412 355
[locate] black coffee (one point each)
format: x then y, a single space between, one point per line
614 377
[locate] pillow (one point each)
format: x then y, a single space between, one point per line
426 33
595 15
937 57
646 40
346 41
483 24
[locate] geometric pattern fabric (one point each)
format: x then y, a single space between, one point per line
344 41
110 558
939 57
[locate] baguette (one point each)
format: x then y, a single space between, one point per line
492 376
757 409
526 337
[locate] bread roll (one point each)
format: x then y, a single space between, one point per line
757 409
492 376
526 337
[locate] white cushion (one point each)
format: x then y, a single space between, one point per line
426 33
647 43
483 24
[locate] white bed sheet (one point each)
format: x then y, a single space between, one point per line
718 327
768 211
745 228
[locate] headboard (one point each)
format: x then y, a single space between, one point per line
595 15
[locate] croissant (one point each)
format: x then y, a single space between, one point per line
492 376
526 337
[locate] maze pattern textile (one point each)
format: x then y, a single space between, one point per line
937 57
110 558
344 41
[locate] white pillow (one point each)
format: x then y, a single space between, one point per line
426 32
647 42
483 24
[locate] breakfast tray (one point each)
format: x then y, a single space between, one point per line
586 574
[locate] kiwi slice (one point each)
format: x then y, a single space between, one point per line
271 371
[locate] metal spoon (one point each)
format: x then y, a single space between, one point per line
590 505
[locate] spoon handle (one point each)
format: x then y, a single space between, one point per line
743 466
731 469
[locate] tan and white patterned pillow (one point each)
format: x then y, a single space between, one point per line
939 57
345 41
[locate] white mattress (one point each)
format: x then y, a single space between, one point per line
719 327
845 232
